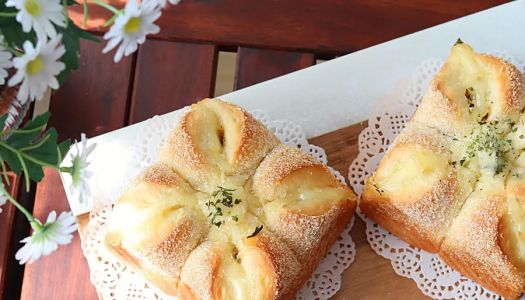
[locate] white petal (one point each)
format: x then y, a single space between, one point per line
48 247
23 254
52 217
111 44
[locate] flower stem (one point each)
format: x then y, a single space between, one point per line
4 171
108 7
67 170
8 14
64 4
85 16
28 215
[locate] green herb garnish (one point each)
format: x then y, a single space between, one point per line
378 190
489 140
222 198
256 232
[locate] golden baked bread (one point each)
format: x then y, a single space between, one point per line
217 141
229 212
453 181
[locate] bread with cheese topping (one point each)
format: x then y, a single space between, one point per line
229 212
452 183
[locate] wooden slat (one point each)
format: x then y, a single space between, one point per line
330 27
6 223
369 276
170 75
258 65
64 274
93 100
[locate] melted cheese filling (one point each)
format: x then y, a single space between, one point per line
512 232
234 284
154 209
306 192
472 85
410 173
216 130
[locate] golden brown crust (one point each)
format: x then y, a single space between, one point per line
471 247
158 254
274 261
160 263
199 271
277 165
305 220
460 216
234 144
381 211
445 105
418 216
195 253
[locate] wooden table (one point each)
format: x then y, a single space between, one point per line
177 67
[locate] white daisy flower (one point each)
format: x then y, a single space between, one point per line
46 238
37 69
163 3
131 27
39 15
79 169
5 61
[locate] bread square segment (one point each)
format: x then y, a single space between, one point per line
453 182
229 212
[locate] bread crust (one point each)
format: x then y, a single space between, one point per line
310 231
470 91
381 211
229 254
440 107
471 247
187 153
419 217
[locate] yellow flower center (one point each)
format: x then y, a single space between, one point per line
33 7
35 66
133 25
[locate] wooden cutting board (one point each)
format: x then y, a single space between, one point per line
370 276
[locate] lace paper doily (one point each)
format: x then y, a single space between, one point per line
433 277
114 280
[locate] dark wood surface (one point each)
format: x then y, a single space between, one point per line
168 72
258 65
171 75
7 217
95 99
328 27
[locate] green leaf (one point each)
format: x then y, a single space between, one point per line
3 118
29 132
29 149
13 34
63 148
12 30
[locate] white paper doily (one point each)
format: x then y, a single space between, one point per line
114 280
433 277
